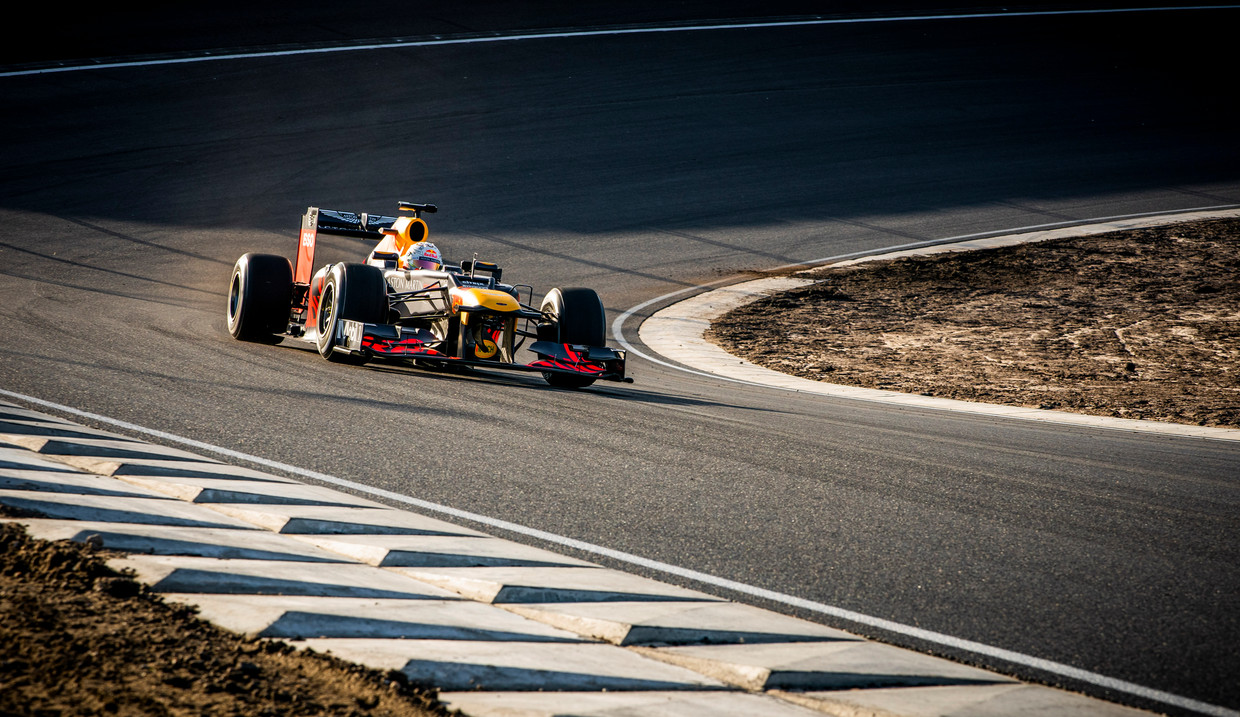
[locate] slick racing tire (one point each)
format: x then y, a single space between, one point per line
352 291
578 319
260 294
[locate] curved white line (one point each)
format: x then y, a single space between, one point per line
617 326
437 40
930 636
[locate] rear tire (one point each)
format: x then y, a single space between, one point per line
578 319
260 295
356 292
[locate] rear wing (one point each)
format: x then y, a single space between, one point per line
351 224
363 226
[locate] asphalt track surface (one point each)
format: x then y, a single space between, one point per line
641 165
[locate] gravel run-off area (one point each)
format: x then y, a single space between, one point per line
1140 324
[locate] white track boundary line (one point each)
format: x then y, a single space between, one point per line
932 637
567 34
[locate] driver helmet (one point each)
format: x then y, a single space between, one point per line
422 255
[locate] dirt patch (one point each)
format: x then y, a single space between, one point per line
81 639
1138 324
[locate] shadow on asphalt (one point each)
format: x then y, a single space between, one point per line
534 382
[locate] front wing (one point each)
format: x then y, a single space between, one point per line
390 342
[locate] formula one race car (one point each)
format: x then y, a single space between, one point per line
404 303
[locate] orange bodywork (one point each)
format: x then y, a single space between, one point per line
405 232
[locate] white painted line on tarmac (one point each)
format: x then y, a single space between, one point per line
675 331
219 55
929 636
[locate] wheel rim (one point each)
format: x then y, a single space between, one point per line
327 309
234 298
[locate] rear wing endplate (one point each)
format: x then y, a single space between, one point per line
333 221
350 224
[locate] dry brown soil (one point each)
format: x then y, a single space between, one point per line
1139 324
77 638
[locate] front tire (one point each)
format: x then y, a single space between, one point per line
260 294
356 292
578 318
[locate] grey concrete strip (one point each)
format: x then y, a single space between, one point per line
147 467
185 574
234 490
1011 700
13 412
331 520
18 459
531 666
622 704
221 543
294 617
50 427
677 623
66 482
676 332
820 666
118 509
98 447
541 585
434 551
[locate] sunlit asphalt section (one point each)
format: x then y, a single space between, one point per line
675 332
501 628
